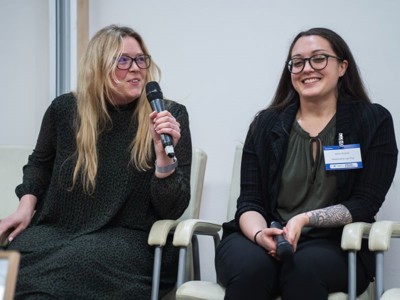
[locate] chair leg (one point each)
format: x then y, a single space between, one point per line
196 258
352 275
379 275
155 285
181 267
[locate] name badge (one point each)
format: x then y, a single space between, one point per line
344 157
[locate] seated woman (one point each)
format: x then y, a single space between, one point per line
98 179
319 157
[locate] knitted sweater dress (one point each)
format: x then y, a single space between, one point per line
81 246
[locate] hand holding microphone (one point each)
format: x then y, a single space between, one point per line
155 97
284 249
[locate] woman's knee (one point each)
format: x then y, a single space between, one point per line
317 269
241 263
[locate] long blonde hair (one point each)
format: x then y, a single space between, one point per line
95 88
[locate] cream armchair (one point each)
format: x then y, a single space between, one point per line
163 228
380 237
202 290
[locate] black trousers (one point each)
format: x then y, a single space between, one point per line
318 267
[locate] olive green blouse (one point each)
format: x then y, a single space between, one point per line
305 184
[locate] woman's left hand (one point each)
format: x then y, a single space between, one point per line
163 123
293 229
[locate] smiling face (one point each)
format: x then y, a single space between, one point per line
313 84
129 83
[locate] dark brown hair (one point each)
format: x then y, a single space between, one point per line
350 85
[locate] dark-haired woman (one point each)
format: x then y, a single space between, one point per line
319 157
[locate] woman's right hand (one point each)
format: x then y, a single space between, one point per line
15 223
251 222
266 240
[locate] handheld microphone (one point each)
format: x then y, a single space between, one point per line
155 97
284 249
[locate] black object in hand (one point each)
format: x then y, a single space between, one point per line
284 249
155 97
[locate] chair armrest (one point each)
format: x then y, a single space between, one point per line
187 228
381 234
160 230
353 234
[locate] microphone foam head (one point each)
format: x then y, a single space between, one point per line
153 91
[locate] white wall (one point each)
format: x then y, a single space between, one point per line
24 75
220 58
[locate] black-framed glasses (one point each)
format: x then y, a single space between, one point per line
317 62
124 62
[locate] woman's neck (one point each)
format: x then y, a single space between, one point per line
313 117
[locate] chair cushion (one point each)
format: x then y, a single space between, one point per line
200 290
203 290
391 294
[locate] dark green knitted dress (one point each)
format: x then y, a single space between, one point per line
95 247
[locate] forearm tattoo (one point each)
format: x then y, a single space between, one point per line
332 216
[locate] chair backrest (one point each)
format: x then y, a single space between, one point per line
199 162
234 191
9 262
12 159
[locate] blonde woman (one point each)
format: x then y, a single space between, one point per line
97 180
